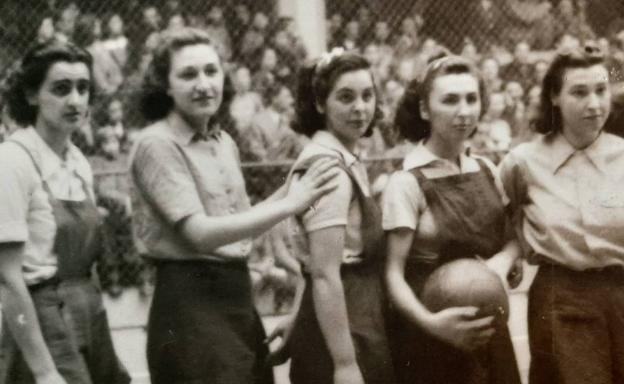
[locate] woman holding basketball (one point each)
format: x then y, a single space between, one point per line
565 187
445 204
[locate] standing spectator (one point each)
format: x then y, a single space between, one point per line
194 218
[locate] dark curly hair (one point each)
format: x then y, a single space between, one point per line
549 119
155 103
314 86
408 120
31 73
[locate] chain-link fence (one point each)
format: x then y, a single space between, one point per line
511 40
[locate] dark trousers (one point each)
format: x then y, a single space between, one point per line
576 326
75 328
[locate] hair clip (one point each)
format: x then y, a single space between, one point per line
327 57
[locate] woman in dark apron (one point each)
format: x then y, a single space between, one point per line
64 337
445 204
193 217
339 334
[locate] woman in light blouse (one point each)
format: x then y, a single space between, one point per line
193 216
565 188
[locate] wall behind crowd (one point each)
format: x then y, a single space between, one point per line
511 40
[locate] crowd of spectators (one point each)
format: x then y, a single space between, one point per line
263 54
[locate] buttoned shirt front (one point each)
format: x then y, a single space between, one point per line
25 212
176 173
571 200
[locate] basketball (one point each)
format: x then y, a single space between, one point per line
466 282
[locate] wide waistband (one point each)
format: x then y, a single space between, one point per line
238 264
56 281
609 270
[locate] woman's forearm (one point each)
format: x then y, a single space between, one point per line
19 311
206 233
331 311
405 301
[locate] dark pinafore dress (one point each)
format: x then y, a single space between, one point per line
469 214
311 362
69 305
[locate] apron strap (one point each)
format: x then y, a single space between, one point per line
45 185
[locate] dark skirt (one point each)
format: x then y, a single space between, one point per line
75 328
364 295
203 327
423 359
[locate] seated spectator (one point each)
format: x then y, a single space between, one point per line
470 52
107 73
273 139
514 106
238 25
335 30
245 103
352 36
218 32
265 74
255 38
521 68
45 32
65 22
176 21
111 132
493 133
408 41
116 41
490 73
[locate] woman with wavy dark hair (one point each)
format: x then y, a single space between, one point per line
445 204
48 228
193 217
565 188
338 334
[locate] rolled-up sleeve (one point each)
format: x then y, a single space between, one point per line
333 208
513 183
161 174
15 190
400 202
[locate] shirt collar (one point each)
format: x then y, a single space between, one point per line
49 161
420 156
328 140
184 134
562 151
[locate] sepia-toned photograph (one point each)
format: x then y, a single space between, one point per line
312 192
